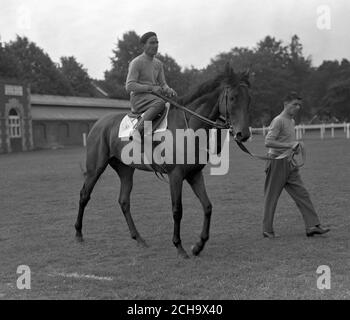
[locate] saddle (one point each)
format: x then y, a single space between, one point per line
155 122
131 120
159 124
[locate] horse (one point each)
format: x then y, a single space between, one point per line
225 96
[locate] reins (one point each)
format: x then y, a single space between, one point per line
290 153
198 116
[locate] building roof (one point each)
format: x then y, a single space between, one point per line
48 100
64 113
46 107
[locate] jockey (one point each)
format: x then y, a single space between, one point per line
146 75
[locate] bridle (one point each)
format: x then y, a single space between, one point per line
227 122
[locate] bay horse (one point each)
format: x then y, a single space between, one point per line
225 96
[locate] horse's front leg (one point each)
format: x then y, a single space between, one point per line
176 182
196 182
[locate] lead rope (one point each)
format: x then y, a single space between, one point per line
298 148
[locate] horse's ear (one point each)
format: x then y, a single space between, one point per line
246 73
228 68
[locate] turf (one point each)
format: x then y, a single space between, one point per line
38 206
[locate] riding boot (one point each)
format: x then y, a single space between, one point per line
140 130
149 115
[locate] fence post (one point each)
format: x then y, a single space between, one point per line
264 132
321 131
348 130
298 132
332 130
84 139
251 134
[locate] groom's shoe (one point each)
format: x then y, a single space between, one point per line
310 232
270 235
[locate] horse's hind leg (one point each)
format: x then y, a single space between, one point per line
92 175
196 182
176 182
126 175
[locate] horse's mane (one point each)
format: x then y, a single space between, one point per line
211 85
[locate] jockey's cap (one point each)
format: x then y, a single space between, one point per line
146 36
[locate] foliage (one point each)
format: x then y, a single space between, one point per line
31 64
77 76
275 68
126 50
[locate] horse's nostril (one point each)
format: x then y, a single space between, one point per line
242 137
238 136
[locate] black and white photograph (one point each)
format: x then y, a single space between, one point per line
174 155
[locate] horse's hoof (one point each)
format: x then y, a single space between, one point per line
183 254
196 250
79 237
142 243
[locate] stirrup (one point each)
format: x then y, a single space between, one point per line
138 135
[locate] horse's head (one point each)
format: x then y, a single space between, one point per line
234 102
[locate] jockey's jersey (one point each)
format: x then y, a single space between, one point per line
281 129
144 72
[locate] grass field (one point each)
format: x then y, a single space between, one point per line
38 206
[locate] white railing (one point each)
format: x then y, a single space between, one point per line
301 129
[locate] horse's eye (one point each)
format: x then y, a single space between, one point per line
234 97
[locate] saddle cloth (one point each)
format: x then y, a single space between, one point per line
128 124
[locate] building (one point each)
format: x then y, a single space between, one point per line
62 121
43 121
15 117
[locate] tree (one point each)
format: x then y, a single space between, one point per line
33 65
173 74
300 70
127 49
336 102
326 87
8 65
77 76
271 74
272 53
271 79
